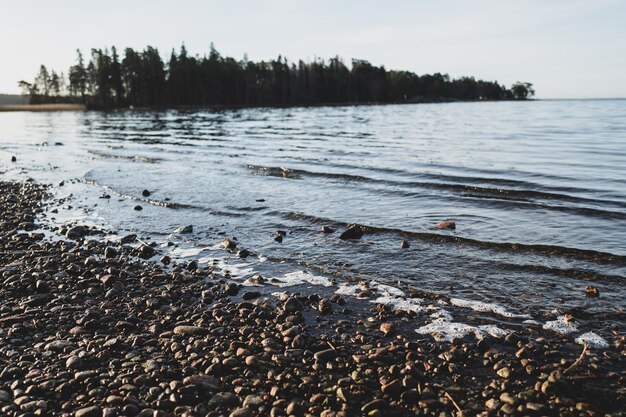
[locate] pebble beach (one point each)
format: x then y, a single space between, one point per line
96 324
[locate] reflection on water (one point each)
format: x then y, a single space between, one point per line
537 190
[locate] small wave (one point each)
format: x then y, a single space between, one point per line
486 307
522 198
136 158
544 250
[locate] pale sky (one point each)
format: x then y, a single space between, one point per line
567 49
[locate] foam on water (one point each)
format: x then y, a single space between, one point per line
486 307
239 271
561 325
442 329
188 252
302 277
349 290
593 340
409 304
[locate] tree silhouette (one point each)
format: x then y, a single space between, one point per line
521 91
143 79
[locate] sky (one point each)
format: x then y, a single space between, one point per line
567 49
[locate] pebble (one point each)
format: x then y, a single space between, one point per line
354 231
93 411
446 225
191 330
241 412
325 355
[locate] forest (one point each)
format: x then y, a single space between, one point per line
136 79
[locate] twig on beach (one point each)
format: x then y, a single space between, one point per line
580 358
454 403
331 345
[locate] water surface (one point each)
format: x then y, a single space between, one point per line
537 190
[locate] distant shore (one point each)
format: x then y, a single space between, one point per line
43 107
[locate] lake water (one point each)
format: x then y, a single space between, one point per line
537 190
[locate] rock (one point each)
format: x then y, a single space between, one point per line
146 251
243 253
165 260
241 412
107 280
410 396
278 238
13 159
93 411
42 286
377 404
229 244
224 399
191 330
292 305
536 407
387 328
253 401
326 229
250 295
74 362
4 396
76 232
110 253
105 196
592 291
58 346
207 382
231 289
492 404
324 306
393 388
504 372
128 239
37 300
343 394
404 244
184 230
146 193
137 208
448 224
354 231
507 398
325 355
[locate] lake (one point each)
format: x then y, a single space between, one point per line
537 190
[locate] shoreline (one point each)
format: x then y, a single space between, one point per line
42 107
90 328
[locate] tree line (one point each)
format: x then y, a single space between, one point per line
143 79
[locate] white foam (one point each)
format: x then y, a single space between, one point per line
187 252
301 277
351 290
561 325
388 289
486 307
396 303
443 330
593 340
239 271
